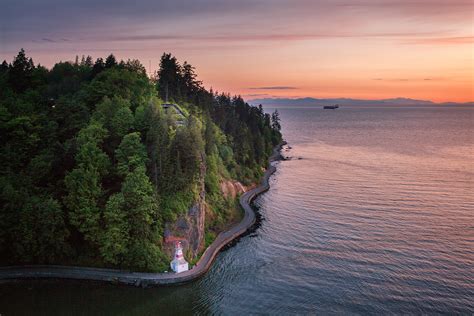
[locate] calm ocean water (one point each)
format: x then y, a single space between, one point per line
374 214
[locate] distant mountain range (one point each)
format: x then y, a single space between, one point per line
346 101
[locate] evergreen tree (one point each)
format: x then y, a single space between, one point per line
134 65
110 61
115 115
21 72
276 121
83 183
4 66
41 234
145 227
191 86
117 82
88 62
187 152
158 146
98 67
131 154
96 138
169 78
116 238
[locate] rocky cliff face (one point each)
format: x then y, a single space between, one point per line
189 228
232 188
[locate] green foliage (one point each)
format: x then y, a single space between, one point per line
212 175
186 152
71 116
140 199
158 142
131 153
93 167
110 61
117 82
84 182
116 116
146 256
209 238
20 74
169 77
115 239
66 78
132 222
174 204
141 203
41 234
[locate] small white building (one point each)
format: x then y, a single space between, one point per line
179 264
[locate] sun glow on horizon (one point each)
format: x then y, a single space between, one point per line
355 49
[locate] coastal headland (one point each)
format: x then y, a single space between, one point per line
144 279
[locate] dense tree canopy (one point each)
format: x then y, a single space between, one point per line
93 166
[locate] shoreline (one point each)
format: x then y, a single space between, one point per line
145 279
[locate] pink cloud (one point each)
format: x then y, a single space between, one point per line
454 40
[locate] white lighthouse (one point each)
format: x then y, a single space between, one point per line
179 264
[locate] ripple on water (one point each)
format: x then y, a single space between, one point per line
377 218
367 228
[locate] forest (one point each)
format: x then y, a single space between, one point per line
93 166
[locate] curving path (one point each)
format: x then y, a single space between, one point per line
149 279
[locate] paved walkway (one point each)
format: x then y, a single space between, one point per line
150 279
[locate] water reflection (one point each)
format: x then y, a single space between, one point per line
376 218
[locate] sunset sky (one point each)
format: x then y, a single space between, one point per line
260 48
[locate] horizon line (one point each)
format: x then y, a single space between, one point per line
355 99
